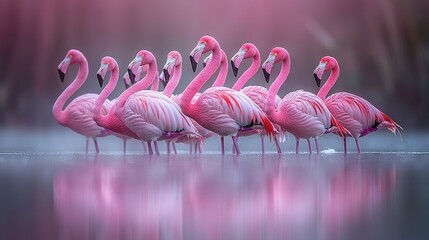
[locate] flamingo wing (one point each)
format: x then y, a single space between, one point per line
79 116
225 111
304 114
358 115
151 114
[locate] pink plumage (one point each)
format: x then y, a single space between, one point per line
150 114
257 94
78 114
219 109
356 114
301 113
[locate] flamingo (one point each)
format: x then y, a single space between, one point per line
150 114
172 72
110 121
301 113
78 114
355 113
219 109
258 94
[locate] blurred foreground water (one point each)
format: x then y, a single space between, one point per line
48 192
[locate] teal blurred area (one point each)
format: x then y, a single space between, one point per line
382 46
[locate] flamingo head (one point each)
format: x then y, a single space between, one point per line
140 70
205 44
174 59
143 57
248 50
276 55
107 64
73 56
326 64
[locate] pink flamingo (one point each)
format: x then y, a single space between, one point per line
258 94
301 113
170 77
110 121
78 114
150 114
355 113
171 70
220 109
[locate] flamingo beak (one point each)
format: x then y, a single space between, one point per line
267 66
62 68
127 81
236 61
101 73
168 68
318 73
207 60
136 61
162 79
196 55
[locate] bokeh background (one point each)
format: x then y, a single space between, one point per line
382 46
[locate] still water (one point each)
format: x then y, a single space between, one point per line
112 196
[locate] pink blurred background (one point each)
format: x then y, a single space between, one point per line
382 46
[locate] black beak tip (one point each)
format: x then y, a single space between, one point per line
100 80
204 64
166 75
318 81
234 69
193 63
266 75
132 76
62 75
126 85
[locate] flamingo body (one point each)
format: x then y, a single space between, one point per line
152 115
303 114
78 116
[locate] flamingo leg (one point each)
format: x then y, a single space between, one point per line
297 146
174 148
199 147
125 146
279 150
168 147
97 150
87 143
263 144
235 141
317 145
144 148
195 147
155 143
357 145
222 145
190 148
309 145
345 145
149 147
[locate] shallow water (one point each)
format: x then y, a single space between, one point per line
112 196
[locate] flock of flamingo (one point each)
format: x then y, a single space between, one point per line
191 117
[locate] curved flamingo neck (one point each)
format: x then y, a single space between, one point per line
141 85
96 112
198 82
335 72
249 72
274 89
221 78
57 110
155 83
172 84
